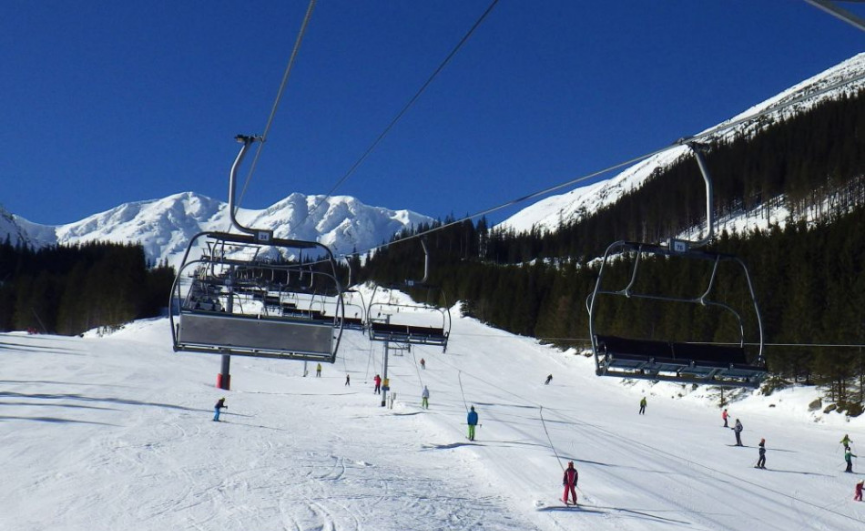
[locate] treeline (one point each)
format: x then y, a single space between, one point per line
808 279
70 289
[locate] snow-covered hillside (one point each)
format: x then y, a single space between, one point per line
550 212
165 226
115 432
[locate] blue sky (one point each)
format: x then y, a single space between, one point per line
108 102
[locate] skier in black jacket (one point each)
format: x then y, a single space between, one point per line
761 462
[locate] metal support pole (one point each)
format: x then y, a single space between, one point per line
225 374
224 379
386 385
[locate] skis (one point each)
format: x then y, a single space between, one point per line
541 505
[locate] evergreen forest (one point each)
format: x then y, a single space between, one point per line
71 289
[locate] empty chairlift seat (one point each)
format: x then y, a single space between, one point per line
720 365
400 333
237 317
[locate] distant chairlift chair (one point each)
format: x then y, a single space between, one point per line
401 330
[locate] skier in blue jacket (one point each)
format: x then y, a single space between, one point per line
472 422
219 405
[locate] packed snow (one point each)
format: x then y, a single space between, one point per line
115 432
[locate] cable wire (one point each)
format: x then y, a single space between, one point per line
698 137
279 94
544 424
405 108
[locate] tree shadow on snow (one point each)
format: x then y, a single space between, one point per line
570 509
74 406
641 514
57 420
82 398
521 406
448 446
55 382
798 472
40 348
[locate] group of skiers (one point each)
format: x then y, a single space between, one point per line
761 460
571 476
848 453
848 457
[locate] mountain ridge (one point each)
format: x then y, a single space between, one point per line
548 213
164 226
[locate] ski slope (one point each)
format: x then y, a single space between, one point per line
115 433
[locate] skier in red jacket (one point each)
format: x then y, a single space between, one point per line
570 482
859 487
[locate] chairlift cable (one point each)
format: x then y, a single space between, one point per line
405 108
417 370
370 360
462 391
552 447
279 94
698 137
839 13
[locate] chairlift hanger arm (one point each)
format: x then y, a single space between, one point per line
421 282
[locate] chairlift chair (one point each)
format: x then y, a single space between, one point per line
387 321
724 365
220 314
229 300
355 314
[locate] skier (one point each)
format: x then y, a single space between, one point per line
859 487
724 416
424 398
220 404
422 363
846 441
549 379
848 456
318 371
738 429
643 406
472 421
761 462
377 380
570 482
347 380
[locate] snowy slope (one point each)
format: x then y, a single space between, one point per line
115 432
165 226
548 213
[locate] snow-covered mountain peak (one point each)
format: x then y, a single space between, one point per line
165 226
